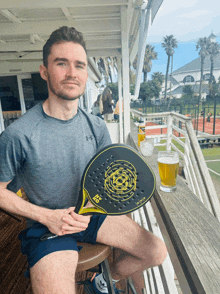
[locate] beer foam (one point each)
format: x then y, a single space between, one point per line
168 160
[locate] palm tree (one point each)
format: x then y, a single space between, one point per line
213 51
159 77
169 43
150 55
202 45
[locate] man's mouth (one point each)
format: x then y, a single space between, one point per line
70 83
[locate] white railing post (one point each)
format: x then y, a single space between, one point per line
169 131
212 195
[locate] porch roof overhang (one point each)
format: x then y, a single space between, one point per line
27 24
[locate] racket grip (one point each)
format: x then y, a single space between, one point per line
48 236
80 202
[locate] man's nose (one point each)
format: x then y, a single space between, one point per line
71 71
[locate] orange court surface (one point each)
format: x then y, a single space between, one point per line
208 127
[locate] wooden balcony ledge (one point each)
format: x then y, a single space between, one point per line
190 231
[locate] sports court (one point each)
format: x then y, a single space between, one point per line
212 158
206 125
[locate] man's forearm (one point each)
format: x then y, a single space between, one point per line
12 203
58 221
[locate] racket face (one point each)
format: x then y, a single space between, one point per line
118 180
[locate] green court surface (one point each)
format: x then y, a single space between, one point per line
212 158
215 165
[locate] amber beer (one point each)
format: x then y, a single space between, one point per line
168 165
141 134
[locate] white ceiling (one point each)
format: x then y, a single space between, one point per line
25 25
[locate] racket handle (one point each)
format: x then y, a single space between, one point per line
48 236
81 202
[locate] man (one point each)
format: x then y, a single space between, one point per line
46 151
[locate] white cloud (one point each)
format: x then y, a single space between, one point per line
187 20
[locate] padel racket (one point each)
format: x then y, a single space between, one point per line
116 181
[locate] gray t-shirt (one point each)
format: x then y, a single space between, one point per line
47 156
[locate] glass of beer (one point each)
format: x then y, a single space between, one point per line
168 165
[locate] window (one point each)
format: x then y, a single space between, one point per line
206 77
188 79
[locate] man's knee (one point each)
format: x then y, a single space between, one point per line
161 251
55 273
156 249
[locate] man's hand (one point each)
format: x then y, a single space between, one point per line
66 221
74 222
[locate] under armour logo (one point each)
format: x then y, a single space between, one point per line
88 138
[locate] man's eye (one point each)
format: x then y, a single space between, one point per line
61 64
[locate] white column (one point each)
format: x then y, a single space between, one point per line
21 95
169 131
120 101
125 71
145 21
2 127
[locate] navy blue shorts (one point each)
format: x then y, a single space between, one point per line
35 249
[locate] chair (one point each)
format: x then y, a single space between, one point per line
91 256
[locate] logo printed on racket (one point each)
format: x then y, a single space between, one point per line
141 201
120 180
97 198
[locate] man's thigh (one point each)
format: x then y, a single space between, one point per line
122 232
55 273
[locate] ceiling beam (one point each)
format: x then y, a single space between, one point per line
21 56
10 16
37 46
38 38
47 27
37 56
67 13
31 4
103 16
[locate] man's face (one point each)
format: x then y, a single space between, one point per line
66 73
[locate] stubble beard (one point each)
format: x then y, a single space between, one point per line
60 94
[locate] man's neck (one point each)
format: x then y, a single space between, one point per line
60 109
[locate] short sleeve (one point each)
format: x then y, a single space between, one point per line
104 138
11 155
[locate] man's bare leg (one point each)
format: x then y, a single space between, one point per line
55 273
142 249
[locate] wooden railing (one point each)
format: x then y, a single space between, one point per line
190 231
178 128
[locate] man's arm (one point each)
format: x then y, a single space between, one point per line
59 221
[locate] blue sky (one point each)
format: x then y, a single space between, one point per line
188 21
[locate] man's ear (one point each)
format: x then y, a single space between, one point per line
43 72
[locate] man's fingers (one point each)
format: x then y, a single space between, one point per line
71 229
75 221
81 218
78 217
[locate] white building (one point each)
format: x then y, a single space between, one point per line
190 73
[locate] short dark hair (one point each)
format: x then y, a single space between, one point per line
63 34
